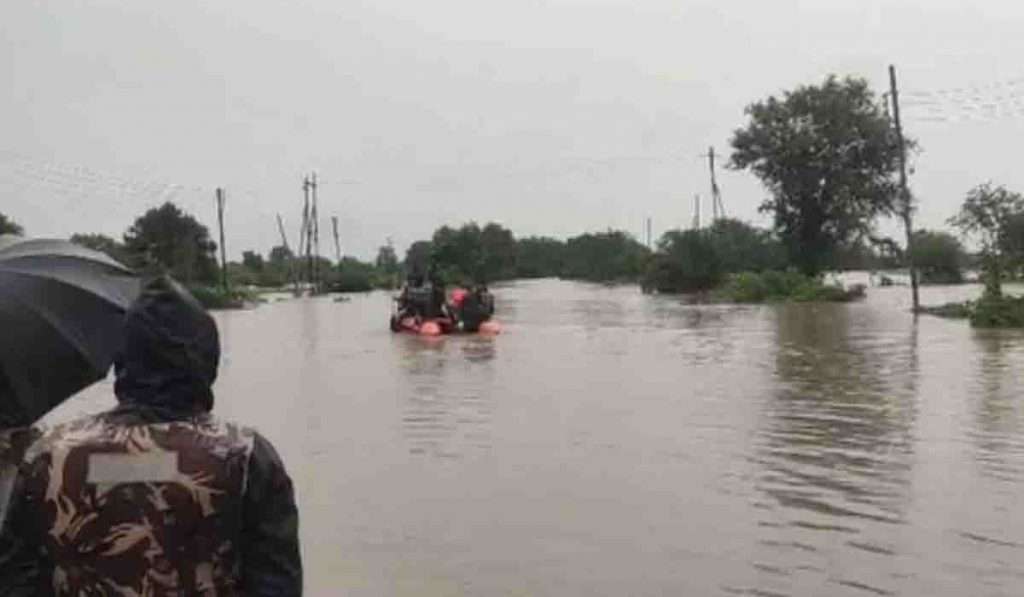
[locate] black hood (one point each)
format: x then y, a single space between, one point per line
171 351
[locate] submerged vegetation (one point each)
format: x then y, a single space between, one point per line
776 286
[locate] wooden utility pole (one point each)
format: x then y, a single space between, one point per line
696 211
337 238
316 238
717 207
306 186
289 255
906 202
648 232
223 251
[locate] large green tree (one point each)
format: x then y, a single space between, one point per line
939 257
605 256
539 257
741 247
989 215
387 259
828 157
175 241
9 226
686 261
473 254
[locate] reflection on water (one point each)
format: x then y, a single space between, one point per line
611 443
835 450
447 406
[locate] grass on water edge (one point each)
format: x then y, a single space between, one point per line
987 312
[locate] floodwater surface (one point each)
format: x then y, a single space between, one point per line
611 443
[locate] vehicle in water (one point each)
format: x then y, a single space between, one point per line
425 310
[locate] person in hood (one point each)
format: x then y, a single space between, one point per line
157 496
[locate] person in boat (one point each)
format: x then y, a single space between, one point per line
422 297
472 307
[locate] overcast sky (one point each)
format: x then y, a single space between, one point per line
551 117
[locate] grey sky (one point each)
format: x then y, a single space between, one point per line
551 117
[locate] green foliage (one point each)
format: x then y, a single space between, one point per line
827 155
993 311
605 257
949 310
698 260
540 257
990 214
252 261
175 241
686 261
9 226
216 298
939 257
473 254
387 260
776 286
741 247
104 244
990 311
352 275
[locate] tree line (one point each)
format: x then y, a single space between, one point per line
827 156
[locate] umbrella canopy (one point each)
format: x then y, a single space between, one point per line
61 311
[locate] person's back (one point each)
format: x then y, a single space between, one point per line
158 497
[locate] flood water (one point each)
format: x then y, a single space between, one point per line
611 443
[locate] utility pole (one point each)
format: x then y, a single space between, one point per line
906 201
316 240
337 239
306 186
717 207
289 255
223 251
303 231
648 232
696 211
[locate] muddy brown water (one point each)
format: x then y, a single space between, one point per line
610 443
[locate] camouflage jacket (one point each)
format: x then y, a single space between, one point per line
130 504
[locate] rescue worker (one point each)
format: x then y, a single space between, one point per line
157 496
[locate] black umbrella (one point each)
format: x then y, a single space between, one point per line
61 307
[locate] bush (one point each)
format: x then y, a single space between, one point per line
352 281
775 286
949 310
686 262
998 312
939 257
215 298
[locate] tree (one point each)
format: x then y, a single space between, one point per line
686 261
252 261
387 259
605 256
939 257
741 247
175 241
498 259
458 253
352 275
828 156
280 256
989 214
539 257
9 226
